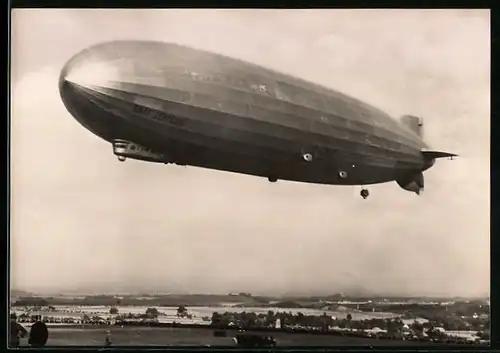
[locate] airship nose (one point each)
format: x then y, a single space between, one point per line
80 86
85 72
69 89
71 96
74 97
63 84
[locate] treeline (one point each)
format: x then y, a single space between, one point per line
167 300
150 315
246 320
431 312
31 301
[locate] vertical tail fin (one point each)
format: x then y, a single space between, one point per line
414 123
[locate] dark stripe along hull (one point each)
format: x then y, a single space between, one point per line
220 113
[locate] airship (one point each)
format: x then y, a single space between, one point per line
169 103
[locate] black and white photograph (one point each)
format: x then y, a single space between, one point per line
249 177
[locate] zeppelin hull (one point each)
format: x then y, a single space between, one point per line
210 111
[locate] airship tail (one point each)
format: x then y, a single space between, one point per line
415 183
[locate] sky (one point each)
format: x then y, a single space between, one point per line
82 221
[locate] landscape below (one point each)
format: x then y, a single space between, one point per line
384 320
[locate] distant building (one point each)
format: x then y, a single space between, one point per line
375 331
439 329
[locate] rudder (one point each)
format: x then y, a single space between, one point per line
414 123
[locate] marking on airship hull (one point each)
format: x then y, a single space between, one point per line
157 115
147 107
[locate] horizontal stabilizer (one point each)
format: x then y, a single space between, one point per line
429 154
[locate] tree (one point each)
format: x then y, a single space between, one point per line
435 333
181 311
270 318
216 319
394 329
282 317
248 320
349 319
325 321
485 335
417 328
152 312
113 310
300 319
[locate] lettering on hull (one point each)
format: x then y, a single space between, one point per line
158 115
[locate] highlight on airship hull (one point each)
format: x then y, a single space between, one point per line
166 103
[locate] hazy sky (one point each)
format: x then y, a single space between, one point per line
83 220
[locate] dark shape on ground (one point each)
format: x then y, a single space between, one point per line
17 331
255 341
38 334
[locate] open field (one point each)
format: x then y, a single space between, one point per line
140 336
